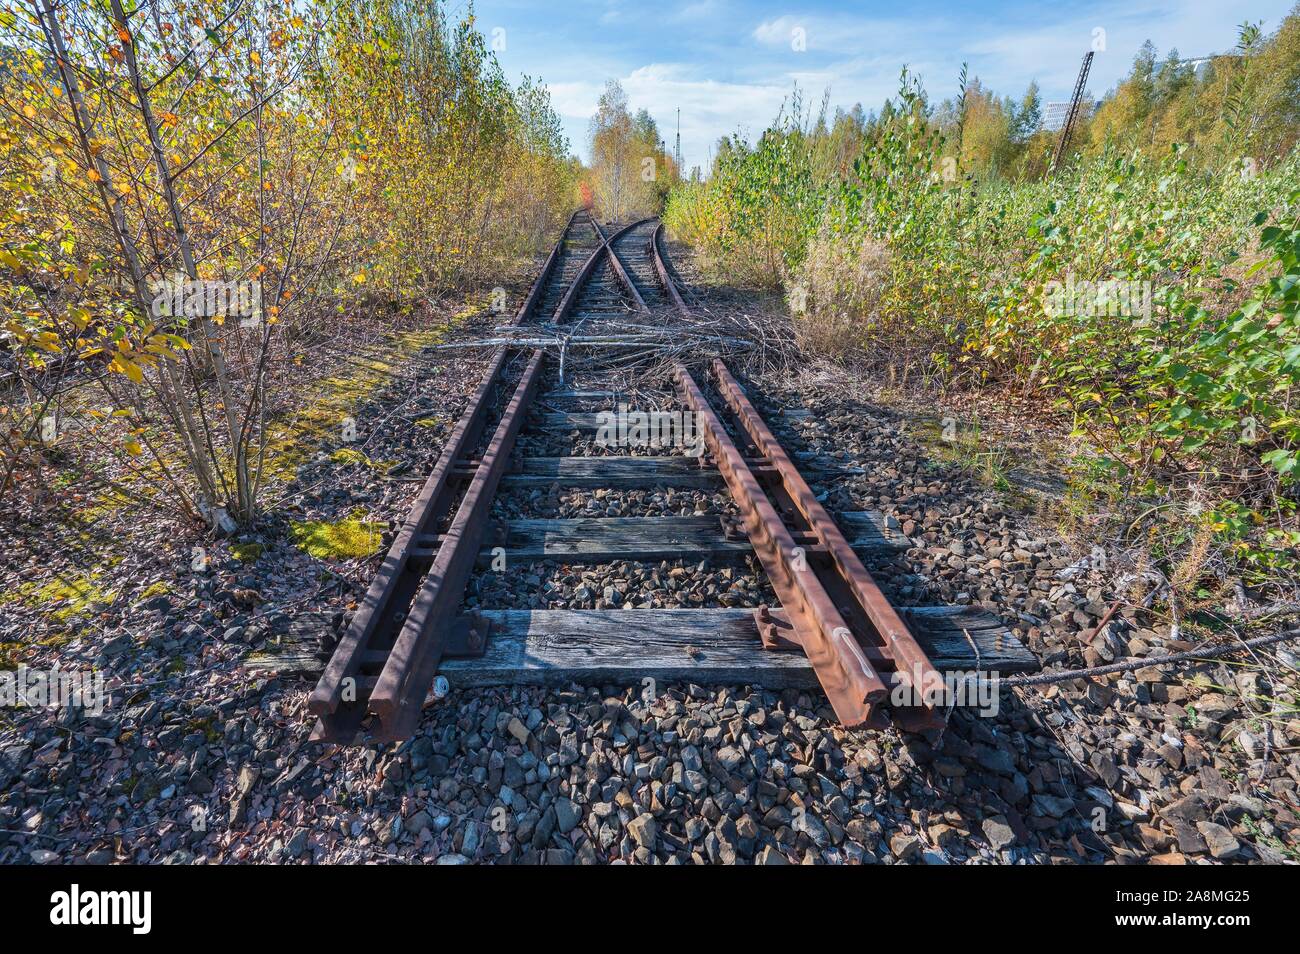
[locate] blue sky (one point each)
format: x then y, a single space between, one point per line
729 65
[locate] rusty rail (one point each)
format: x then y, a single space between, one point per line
341 698
606 247
851 683
877 622
535 293
661 266
619 268
831 609
399 692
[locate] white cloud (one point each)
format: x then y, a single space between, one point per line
575 99
847 34
775 32
727 72
710 108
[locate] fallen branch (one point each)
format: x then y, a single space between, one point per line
619 341
1204 651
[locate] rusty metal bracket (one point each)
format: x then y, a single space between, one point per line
468 636
775 630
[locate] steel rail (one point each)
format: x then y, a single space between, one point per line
661 266
408 623
620 270
535 293
374 616
399 693
892 637
340 698
850 682
605 247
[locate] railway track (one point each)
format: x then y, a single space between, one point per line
823 620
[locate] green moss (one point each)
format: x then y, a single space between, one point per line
155 589
350 455
63 598
346 455
11 654
344 540
102 506
291 441
206 726
428 422
247 552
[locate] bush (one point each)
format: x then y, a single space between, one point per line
1150 301
752 220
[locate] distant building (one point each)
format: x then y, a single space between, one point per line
1055 114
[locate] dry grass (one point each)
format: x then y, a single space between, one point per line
837 295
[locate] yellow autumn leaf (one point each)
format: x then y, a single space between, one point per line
133 448
130 369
